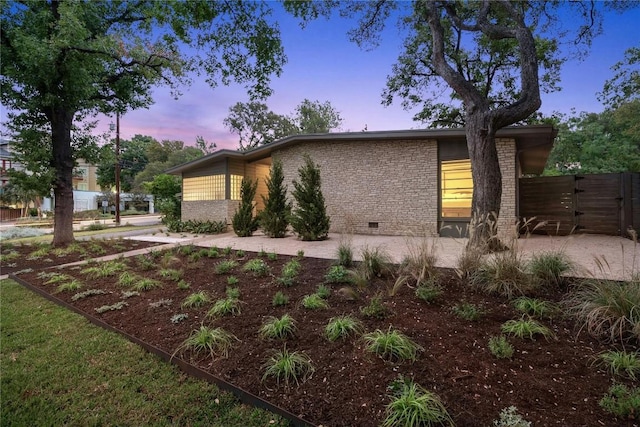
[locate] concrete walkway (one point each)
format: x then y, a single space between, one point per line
606 257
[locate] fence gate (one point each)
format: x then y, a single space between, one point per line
597 204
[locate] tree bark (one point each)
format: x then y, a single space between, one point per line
61 122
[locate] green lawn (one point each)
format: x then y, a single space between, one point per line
58 369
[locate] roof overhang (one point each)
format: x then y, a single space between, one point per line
533 144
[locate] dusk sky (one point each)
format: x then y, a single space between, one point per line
324 65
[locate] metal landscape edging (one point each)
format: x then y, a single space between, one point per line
243 395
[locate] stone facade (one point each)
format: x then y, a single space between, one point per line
209 210
508 213
373 187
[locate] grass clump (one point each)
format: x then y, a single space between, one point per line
280 299
288 367
146 285
171 274
412 405
342 327
232 292
534 307
127 279
224 267
345 254
375 309
548 267
622 363
621 401
289 273
500 347
505 273
256 266
338 274
375 263
428 291
323 291
278 328
70 286
53 278
608 309
314 302
232 280
196 299
525 328
183 285
215 341
391 345
105 269
224 307
467 311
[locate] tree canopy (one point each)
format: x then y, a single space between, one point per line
64 61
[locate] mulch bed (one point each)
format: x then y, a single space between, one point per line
81 250
552 382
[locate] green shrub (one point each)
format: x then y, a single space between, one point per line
279 299
413 406
278 328
288 367
323 291
391 345
608 309
342 327
622 401
186 250
338 274
504 274
375 308
240 253
272 256
274 219
309 218
525 328
467 311
289 273
314 302
509 417
548 267
232 280
196 227
96 226
215 341
224 267
227 250
256 266
300 254
233 292
534 307
622 363
500 347
428 291
244 223
170 273
183 285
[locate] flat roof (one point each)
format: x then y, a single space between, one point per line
534 142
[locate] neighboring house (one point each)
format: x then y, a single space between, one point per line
388 182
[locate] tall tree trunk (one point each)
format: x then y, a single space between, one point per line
61 121
487 183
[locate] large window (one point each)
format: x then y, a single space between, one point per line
457 188
210 188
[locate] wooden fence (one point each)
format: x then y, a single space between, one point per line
9 214
598 204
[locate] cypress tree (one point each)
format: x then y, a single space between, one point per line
309 218
244 223
274 219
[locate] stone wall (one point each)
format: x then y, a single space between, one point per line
209 210
388 184
507 158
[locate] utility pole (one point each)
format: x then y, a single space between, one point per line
117 168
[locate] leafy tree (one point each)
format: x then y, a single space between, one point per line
274 219
165 189
26 188
492 59
309 217
205 146
256 125
624 86
133 160
244 223
316 117
165 155
64 61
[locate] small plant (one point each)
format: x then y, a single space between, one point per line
127 279
196 299
500 347
534 307
391 345
622 363
621 401
278 328
467 311
186 250
87 293
54 278
256 266
105 269
525 328
195 257
180 317
272 256
300 254
117 306
70 286
429 291
412 405
212 252
548 267
240 253
171 274
375 308
323 291
41 252
342 327
419 266
279 299
130 294
183 285
504 273
232 280
146 285
288 367
9 256
224 267
215 341
289 273
164 302
227 250
233 292
375 263
146 261
262 253
314 302
225 306
509 417
345 254
338 274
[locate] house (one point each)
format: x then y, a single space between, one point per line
387 182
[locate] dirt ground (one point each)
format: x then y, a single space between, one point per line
553 382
